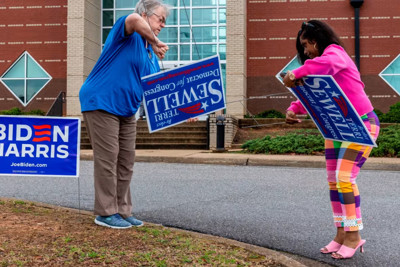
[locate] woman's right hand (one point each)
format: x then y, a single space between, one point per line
291 117
160 49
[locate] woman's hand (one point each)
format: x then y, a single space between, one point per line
160 49
289 80
291 117
192 120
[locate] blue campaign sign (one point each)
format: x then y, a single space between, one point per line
39 146
174 96
331 110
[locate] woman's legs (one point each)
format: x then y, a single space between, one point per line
103 129
343 163
126 160
113 142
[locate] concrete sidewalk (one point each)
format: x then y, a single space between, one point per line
237 158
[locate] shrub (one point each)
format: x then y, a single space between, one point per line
393 116
17 111
36 112
380 114
272 113
13 111
388 142
299 142
311 142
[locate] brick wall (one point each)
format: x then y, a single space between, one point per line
272 27
40 28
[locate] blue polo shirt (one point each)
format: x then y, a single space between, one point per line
114 82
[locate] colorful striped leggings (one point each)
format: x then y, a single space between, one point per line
343 163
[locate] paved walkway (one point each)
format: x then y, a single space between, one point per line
237 158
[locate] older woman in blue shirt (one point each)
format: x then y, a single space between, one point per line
110 97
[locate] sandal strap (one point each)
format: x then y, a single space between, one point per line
333 246
346 252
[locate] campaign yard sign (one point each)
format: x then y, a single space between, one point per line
173 96
331 110
39 146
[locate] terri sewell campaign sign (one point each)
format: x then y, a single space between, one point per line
39 146
331 110
173 96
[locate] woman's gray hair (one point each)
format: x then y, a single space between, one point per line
148 7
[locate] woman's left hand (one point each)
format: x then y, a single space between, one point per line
291 117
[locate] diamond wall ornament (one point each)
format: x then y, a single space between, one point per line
25 78
391 74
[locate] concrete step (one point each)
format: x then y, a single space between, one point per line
177 140
172 134
171 146
179 129
176 128
236 146
182 136
86 146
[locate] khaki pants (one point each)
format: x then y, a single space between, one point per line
113 141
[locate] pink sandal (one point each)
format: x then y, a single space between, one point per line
333 246
346 252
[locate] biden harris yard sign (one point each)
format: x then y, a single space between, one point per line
331 111
39 146
189 91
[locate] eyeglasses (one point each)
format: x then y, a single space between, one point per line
162 19
305 24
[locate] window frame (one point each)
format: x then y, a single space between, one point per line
167 64
25 55
382 74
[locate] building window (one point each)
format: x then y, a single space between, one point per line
391 74
25 78
195 29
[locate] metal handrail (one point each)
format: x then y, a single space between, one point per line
57 109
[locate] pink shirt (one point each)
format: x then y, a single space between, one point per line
336 62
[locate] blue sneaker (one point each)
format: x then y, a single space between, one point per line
134 222
114 221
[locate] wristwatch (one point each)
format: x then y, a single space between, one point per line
291 76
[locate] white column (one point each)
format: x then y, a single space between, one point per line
236 57
83 47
